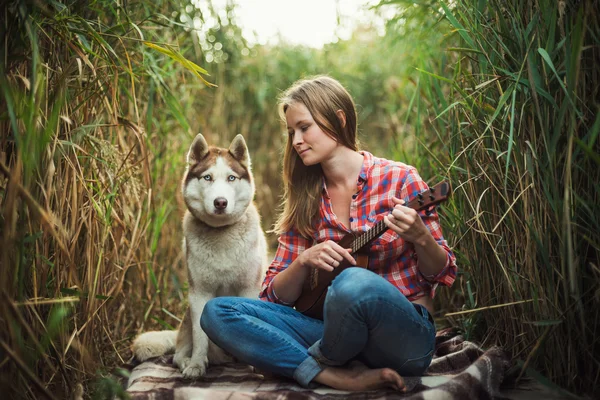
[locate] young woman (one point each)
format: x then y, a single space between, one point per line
377 323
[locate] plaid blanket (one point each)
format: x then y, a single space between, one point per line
459 370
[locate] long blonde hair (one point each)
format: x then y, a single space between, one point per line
323 97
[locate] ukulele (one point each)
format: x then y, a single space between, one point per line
314 290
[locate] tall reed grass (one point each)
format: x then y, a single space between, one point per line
82 222
516 107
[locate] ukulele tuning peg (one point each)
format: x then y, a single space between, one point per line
431 197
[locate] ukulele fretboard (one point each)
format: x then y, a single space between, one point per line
369 235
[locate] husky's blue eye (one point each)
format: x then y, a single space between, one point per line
231 178
207 178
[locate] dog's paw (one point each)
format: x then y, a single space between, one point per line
144 353
182 361
195 369
153 344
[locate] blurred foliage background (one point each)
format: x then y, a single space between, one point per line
101 99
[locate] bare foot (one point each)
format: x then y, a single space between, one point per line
359 377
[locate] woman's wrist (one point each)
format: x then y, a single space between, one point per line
425 239
432 258
299 267
301 261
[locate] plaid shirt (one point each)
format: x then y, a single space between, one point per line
390 256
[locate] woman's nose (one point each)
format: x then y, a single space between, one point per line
297 139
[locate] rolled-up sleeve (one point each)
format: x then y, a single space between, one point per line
291 244
446 276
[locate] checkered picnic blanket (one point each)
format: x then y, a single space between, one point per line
459 370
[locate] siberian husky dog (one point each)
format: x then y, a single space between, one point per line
225 248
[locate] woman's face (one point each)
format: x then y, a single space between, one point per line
310 142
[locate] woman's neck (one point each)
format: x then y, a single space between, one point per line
342 168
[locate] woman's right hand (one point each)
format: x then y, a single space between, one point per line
326 255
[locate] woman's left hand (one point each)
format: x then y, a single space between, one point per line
406 222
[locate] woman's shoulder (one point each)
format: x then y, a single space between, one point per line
384 166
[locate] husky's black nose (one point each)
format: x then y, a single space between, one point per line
220 203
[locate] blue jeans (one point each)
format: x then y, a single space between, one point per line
365 318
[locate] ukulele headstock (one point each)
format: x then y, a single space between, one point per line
432 197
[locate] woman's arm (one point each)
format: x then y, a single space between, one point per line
407 223
287 285
294 259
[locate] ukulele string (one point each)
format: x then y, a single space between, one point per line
380 226
367 236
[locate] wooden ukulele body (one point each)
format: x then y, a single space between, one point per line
316 284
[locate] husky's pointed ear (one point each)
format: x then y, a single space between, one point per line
239 150
198 150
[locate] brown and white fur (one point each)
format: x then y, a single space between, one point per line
225 248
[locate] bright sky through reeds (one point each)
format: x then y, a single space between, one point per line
308 22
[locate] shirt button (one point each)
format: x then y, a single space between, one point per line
351 219
354 196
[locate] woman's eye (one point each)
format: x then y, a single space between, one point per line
207 178
304 128
231 178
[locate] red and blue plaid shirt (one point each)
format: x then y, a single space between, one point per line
390 256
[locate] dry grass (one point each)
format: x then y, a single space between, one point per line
78 201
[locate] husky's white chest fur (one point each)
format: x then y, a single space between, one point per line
229 259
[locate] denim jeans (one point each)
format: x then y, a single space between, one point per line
365 318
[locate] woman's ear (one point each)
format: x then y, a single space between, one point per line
342 117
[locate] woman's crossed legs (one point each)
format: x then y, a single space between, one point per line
366 319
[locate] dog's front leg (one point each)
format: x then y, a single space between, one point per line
199 361
184 343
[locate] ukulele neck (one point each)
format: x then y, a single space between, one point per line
367 237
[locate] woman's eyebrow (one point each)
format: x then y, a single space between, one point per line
302 121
